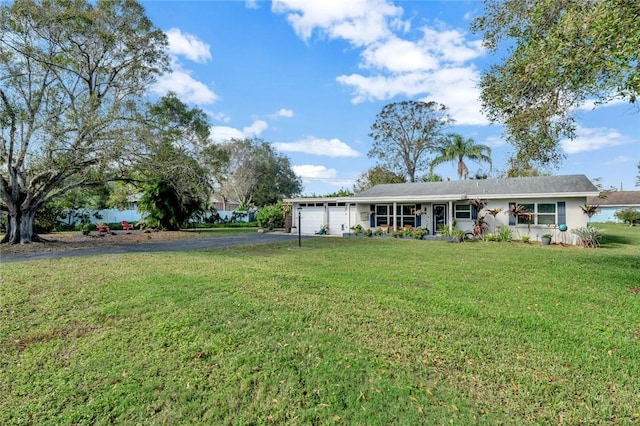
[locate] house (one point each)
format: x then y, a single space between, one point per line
221 203
613 202
551 200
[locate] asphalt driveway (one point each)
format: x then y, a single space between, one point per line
160 246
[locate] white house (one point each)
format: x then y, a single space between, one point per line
552 200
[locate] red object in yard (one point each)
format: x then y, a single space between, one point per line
102 228
126 226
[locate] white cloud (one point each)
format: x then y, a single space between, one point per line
358 22
453 87
226 133
397 55
186 87
283 113
593 139
255 129
218 116
590 104
317 146
621 159
494 141
311 172
434 66
251 4
188 45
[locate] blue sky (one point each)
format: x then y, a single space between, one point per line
310 77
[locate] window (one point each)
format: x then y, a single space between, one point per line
538 214
404 214
463 211
529 217
546 214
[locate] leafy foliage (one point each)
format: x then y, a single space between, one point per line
628 215
256 175
271 216
376 176
176 145
72 75
560 54
405 132
166 209
456 149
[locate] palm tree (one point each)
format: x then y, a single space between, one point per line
457 149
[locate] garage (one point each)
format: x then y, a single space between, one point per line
311 219
337 218
315 215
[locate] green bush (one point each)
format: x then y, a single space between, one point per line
628 216
272 216
358 229
504 234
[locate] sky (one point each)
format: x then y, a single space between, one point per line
310 76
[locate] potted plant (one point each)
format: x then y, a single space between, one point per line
546 239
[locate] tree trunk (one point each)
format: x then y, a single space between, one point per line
20 227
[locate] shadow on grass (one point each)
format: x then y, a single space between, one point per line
612 241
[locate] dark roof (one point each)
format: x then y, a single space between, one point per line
483 188
618 198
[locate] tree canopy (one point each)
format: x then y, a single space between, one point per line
404 133
456 149
560 54
171 162
255 175
73 73
376 176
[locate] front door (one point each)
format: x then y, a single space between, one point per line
439 216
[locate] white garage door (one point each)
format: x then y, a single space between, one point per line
312 218
338 222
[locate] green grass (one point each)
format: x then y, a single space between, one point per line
342 331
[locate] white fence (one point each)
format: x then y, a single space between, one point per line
117 216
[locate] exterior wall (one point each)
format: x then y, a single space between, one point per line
606 213
575 218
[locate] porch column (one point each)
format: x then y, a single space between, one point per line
450 214
393 225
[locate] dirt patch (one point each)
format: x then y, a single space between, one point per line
75 240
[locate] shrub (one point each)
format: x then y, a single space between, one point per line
628 216
358 229
504 234
525 238
419 233
270 217
589 236
491 237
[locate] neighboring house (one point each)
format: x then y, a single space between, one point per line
221 203
614 202
554 200
133 200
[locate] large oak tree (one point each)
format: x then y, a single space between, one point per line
559 55
404 133
72 74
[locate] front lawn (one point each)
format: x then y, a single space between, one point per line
342 331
